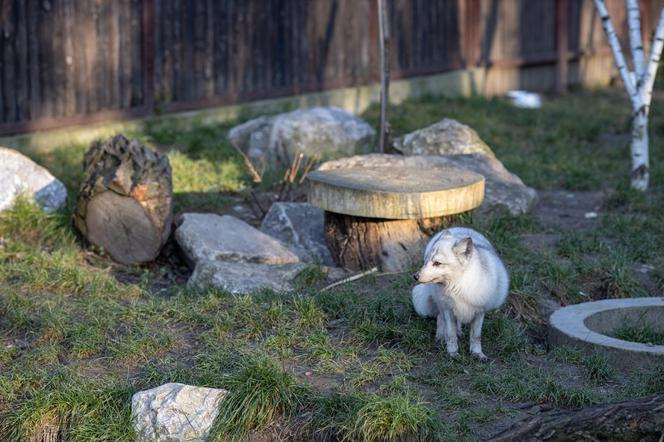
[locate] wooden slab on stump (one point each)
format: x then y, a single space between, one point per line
125 202
384 216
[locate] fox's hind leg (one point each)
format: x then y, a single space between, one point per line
458 326
440 327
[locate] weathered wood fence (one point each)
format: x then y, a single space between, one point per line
66 62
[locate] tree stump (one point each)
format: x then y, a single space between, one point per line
383 217
125 204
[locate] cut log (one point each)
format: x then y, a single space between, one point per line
384 216
125 204
394 192
638 419
358 243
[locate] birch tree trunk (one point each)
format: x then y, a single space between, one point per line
638 83
639 150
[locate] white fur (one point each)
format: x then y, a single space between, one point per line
423 300
462 273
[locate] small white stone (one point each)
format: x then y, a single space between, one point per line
590 215
175 412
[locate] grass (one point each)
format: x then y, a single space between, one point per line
643 333
79 334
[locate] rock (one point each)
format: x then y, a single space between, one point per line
503 190
20 175
175 412
323 132
301 227
210 237
244 277
447 137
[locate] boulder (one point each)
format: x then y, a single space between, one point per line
503 190
322 132
244 277
20 175
301 227
447 137
210 237
175 412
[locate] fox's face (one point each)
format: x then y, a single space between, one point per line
447 261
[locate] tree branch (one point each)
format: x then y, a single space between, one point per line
636 419
635 42
634 96
653 62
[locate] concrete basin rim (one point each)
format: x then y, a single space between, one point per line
570 321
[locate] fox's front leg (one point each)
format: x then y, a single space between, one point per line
476 336
450 332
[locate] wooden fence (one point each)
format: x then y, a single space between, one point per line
66 62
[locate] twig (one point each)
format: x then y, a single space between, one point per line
262 211
307 169
247 162
351 278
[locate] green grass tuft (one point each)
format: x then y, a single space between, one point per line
395 417
643 333
260 393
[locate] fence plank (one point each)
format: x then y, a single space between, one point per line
33 48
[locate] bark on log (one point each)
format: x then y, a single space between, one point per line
125 202
358 243
638 419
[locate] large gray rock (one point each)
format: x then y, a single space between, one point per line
301 227
243 277
210 237
323 132
20 175
503 191
175 412
447 137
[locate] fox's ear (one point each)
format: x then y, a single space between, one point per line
463 247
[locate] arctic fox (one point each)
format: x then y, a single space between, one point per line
462 278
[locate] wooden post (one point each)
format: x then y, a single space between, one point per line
384 42
562 29
148 55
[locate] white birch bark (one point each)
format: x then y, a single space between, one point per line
634 22
638 84
653 61
618 55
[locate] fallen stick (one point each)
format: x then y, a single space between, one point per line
634 419
351 278
248 164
